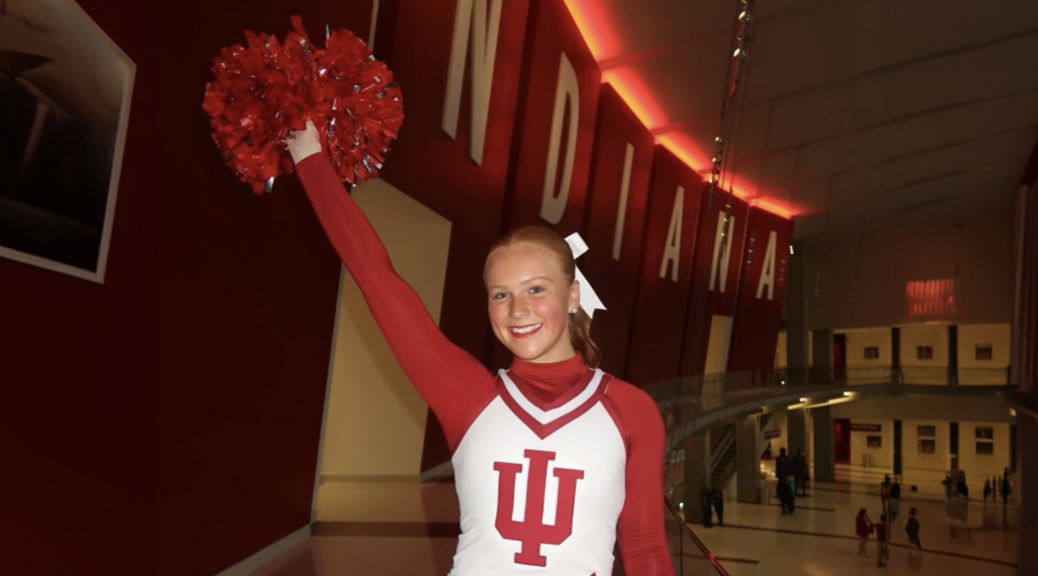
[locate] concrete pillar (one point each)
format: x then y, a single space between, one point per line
747 460
1026 491
697 471
825 448
895 355
796 427
797 289
822 349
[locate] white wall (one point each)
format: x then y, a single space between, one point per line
978 466
860 338
924 371
375 421
882 457
925 469
979 372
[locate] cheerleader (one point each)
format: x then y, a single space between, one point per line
554 460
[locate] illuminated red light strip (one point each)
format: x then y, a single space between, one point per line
603 42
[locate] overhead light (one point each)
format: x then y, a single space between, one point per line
791 250
848 394
1012 412
803 399
737 52
796 406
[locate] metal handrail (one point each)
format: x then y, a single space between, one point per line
683 531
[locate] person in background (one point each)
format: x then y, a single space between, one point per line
912 529
863 527
706 501
1007 489
791 490
782 490
881 541
962 488
884 494
895 497
718 499
800 472
987 489
783 466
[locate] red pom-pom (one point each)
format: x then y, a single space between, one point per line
265 89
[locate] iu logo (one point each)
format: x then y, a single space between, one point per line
532 531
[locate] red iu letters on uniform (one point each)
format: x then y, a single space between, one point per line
532 531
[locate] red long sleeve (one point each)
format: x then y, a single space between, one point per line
454 384
641 531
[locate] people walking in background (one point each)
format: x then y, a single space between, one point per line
863 527
707 501
881 541
1007 489
718 500
987 489
782 490
800 472
895 497
912 529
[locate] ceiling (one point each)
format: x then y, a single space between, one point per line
850 113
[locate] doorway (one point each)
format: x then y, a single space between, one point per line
842 440
840 357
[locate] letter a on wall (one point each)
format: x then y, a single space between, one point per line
767 277
672 251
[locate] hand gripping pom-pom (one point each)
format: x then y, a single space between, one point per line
266 89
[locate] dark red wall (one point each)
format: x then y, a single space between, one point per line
660 307
77 367
755 329
705 300
415 38
615 281
246 296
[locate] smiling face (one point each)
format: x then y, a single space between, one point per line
529 300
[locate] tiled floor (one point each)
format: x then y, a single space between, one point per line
408 529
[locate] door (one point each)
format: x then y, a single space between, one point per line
840 356
842 440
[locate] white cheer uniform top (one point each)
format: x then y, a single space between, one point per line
540 491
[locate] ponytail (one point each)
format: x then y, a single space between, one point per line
580 336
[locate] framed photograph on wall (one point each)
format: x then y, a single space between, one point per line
65 91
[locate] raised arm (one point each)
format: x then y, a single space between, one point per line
640 530
454 384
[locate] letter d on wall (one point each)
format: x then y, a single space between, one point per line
552 206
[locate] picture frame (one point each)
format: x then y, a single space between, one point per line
65 93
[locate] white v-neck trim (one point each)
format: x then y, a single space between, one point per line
547 416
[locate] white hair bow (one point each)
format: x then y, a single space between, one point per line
589 301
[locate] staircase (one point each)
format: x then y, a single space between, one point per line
722 456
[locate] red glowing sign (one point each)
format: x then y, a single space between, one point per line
931 297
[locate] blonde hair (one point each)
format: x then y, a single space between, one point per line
549 240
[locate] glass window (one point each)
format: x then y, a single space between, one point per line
985 447
983 352
924 352
927 446
872 353
928 431
985 433
875 441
